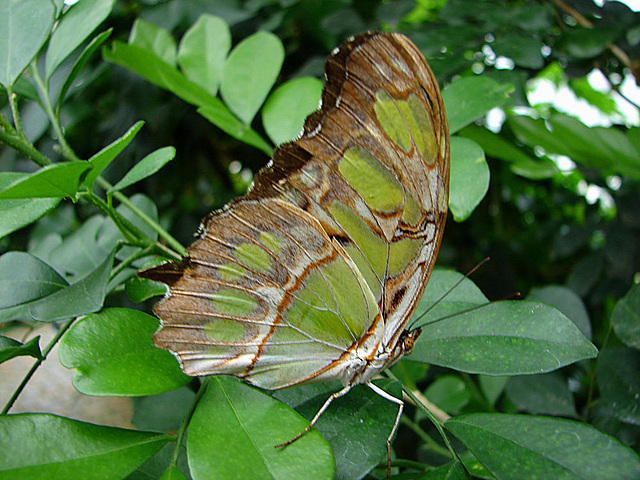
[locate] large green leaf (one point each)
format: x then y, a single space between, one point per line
24 27
565 300
203 52
546 394
25 279
626 318
470 98
218 114
356 425
502 338
618 377
150 37
151 67
15 214
82 297
73 28
250 72
605 148
234 430
469 177
542 447
113 354
520 163
53 181
286 108
42 446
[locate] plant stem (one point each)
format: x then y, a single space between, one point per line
35 366
166 236
67 151
185 422
431 443
132 258
24 147
6 126
437 423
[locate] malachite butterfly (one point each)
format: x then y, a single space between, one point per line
314 274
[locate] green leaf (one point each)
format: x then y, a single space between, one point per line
356 425
542 447
565 300
151 67
105 156
449 392
469 177
449 471
602 101
113 354
618 375
546 394
24 27
145 167
582 42
287 107
492 387
15 214
524 50
10 348
44 446
81 62
472 97
140 289
203 52
53 181
164 412
82 297
221 117
79 253
605 148
73 28
250 72
172 473
626 318
150 37
502 338
24 279
520 163
233 432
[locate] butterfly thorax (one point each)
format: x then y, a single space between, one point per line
362 370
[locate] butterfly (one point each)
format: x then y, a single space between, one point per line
314 274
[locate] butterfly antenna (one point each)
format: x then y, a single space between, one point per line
445 294
473 309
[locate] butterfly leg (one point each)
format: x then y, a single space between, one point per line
317 415
400 404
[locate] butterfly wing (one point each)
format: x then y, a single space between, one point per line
321 264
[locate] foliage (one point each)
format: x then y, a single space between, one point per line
90 192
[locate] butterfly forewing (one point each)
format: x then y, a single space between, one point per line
315 273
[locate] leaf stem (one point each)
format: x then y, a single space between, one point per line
431 443
166 236
437 423
24 147
67 151
35 366
187 419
